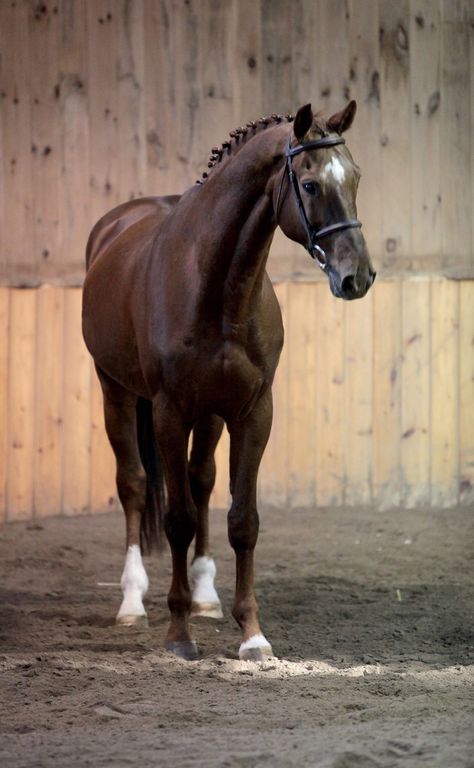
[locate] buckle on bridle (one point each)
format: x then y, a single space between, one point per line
322 263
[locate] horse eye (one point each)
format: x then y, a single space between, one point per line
312 188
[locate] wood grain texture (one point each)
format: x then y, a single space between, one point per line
466 392
104 100
395 132
48 412
456 142
77 409
273 478
386 395
401 364
4 365
21 404
329 466
425 85
444 393
302 392
415 436
358 393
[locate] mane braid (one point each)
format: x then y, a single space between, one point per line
228 146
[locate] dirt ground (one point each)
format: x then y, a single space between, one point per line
369 613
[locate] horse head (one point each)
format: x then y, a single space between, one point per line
319 208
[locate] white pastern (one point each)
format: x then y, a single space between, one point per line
134 583
335 169
256 641
203 572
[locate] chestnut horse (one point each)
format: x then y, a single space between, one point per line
185 330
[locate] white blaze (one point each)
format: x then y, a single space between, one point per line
335 169
134 583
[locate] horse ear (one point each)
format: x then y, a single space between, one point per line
342 120
303 121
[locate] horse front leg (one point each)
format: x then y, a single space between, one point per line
248 439
180 522
202 474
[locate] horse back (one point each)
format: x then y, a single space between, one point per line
119 219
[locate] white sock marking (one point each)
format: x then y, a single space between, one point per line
203 572
134 583
335 169
256 641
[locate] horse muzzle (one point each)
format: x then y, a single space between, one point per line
353 285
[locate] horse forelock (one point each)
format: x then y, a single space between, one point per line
237 138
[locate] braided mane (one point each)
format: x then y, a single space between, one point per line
233 142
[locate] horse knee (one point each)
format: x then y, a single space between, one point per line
243 527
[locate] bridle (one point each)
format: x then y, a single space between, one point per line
315 250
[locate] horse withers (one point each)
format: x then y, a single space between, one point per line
185 330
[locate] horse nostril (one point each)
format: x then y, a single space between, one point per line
349 285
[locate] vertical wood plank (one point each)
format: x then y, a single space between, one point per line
44 88
456 135
395 128
248 61
131 111
330 387
216 112
365 134
425 132
102 39
75 220
277 93
48 402
77 410
466 392
21 387
159 96
103 492
444 393
415 430
187 93
301 404
304 75
273 477
15 114
335 73
386 394
358 427
4 368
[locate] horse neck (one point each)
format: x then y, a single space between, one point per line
237 224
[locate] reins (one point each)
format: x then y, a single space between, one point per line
315 250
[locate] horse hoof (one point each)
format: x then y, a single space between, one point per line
185 649
256 654
209 610
132 621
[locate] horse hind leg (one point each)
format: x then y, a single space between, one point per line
202 475
121 426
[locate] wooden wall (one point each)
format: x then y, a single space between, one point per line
103 100
374 402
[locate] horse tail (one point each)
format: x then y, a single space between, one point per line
152 520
